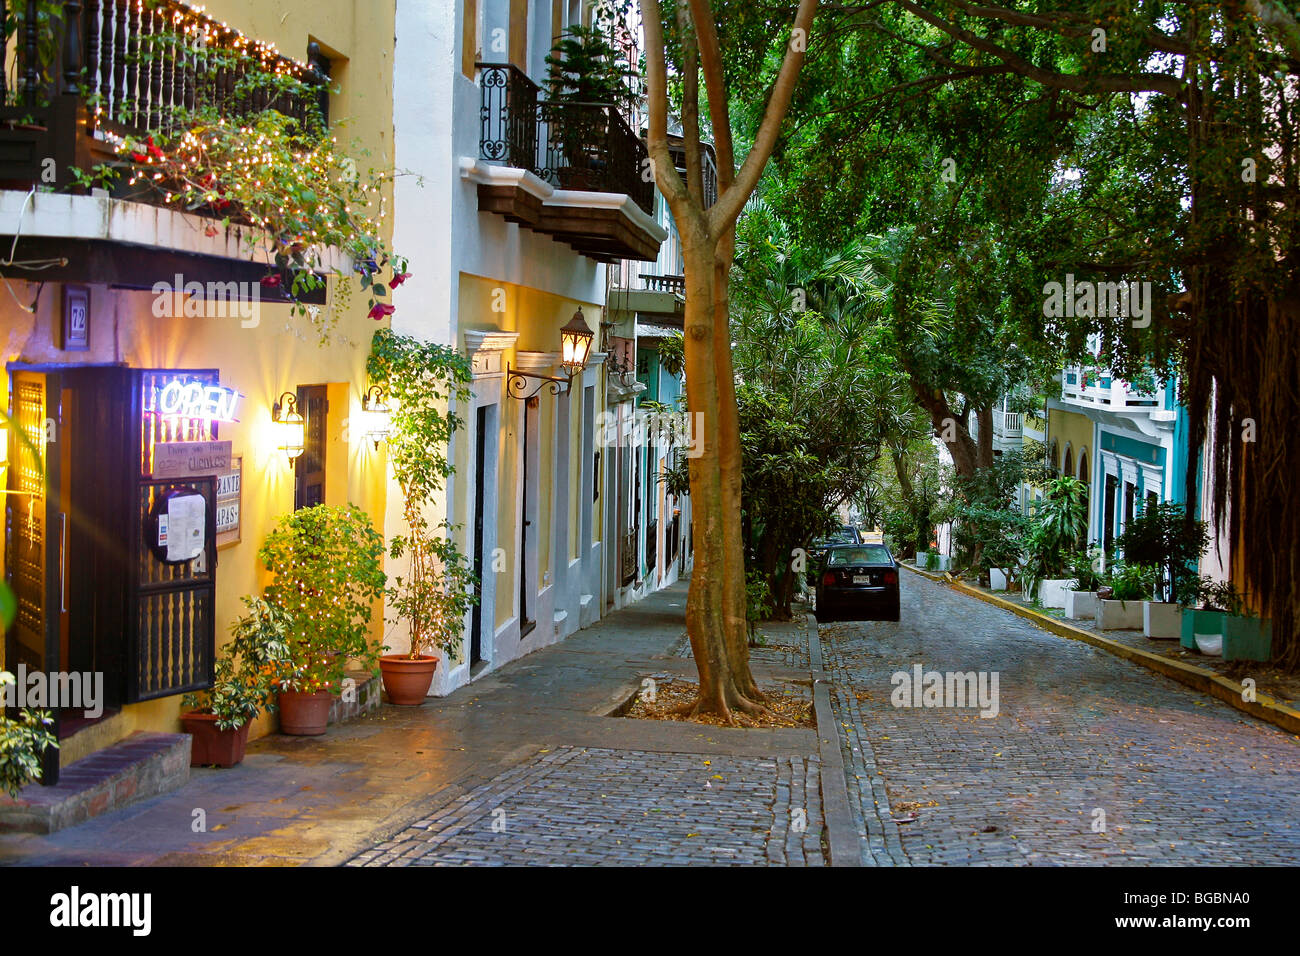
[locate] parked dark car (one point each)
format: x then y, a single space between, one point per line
857 582
817 550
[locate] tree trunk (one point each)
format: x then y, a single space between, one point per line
711 604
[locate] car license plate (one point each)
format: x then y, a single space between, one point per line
861 579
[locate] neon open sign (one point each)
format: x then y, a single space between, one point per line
196 400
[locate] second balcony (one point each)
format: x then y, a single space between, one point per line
574 171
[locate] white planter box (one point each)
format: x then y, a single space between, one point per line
997 580
1162 620
945 562
1119 615
1051 593
920 561
1081 605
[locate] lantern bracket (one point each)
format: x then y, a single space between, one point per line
517 383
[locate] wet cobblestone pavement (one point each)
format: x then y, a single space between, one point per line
1089 759
620 807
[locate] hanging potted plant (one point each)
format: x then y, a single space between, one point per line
433 594
243 686
327 567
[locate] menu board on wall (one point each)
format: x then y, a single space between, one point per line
229 499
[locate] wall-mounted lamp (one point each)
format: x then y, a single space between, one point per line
290 425
575 348
377 413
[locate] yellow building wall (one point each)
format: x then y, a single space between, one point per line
1074 428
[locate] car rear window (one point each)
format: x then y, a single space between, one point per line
867 554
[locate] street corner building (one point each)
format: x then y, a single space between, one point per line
166 402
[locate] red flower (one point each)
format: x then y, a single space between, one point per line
381 310
397 279
154 151
272 280
139 157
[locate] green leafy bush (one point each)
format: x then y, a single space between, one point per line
1164 538
1083 568
23 742
244 681
1132 582
328 567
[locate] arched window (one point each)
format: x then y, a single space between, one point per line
1055 462
1084 474
1068 467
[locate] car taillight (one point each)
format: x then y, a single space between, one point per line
891 577
828 578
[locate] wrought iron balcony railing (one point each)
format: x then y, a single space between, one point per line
508 116
586 146
124 66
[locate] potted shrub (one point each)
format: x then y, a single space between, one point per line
432 598
1058 526
587 78
1166 538
327 567
242 687
438 587
1205 629
1130 585
1081 590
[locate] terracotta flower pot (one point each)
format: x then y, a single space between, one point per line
211 745
303 714
407 681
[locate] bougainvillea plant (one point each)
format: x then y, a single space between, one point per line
421 379
284 175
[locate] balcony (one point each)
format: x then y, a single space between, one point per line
1008 425
648 298
572 171
1099 389
82 90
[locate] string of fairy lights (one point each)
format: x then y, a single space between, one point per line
227 162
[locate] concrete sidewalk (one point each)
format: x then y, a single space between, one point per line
498 751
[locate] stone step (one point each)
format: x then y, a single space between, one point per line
369 695
141 766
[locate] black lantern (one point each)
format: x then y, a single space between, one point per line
575 349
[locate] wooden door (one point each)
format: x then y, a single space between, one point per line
309 469
34 532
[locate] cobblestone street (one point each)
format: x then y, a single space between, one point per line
1080 739
597 806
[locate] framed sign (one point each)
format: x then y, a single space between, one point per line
229 499
75 328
